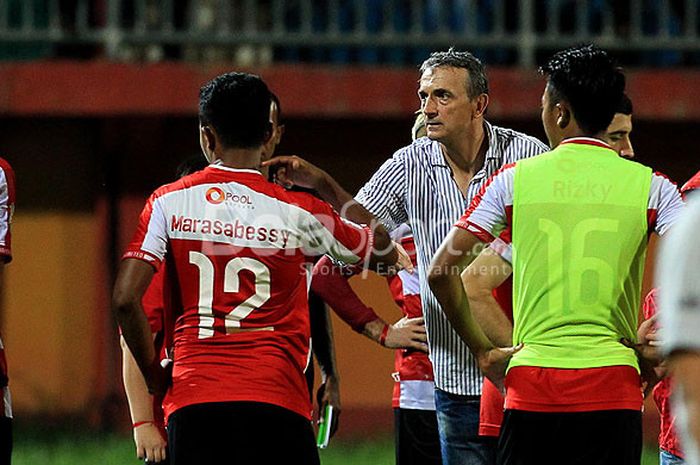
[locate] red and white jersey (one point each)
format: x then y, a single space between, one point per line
490 213
414 387
239 251
7 208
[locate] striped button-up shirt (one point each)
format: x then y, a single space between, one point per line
416 186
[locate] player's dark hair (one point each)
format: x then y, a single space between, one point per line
589 80
477 83
237 106
190 165
625 106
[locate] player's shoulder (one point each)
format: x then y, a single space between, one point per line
5 166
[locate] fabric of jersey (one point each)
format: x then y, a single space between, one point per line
677 278
579 237
668 437
415 186
491 215
240 250
7 208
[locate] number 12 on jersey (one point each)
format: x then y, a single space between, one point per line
231 284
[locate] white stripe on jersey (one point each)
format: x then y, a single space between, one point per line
245 218
415 186
490 213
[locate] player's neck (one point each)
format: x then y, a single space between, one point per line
241 158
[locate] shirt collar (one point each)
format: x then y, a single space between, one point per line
586 141
218 164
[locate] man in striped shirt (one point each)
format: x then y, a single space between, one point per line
428 185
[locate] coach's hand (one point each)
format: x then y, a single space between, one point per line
493 363
150 443
329 394
291 170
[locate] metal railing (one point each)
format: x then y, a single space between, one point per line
369 31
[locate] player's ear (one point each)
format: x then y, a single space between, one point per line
563 115
207 141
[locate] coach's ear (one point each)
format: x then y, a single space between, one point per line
208 142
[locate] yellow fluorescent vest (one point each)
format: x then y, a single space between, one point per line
579 242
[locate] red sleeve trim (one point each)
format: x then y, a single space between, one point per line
10 178
144 256
481 234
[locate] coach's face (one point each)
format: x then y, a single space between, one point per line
449 112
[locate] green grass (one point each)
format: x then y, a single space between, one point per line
84 448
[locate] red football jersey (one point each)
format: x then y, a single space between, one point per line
668 438
7 207
414 387
239 251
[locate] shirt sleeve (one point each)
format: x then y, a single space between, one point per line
7 208
489 214
384 195
330 282
151 238
326 232
665 203
677 277
153 301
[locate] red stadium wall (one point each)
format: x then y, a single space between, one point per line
77 133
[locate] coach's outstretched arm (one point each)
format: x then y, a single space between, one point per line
292 170
444 277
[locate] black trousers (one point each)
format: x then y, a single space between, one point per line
604 437
5 440
240 433
416 435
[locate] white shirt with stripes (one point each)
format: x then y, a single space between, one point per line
416 186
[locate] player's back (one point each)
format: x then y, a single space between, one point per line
579 237
238 249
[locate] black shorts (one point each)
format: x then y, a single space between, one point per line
240 433
417 440
604 437
5 440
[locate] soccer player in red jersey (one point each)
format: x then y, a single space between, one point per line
146 410
670 450
238 249
7 207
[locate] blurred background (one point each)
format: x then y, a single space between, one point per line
98 103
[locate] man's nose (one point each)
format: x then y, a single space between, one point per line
429 106
627 150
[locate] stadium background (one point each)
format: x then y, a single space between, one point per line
98 106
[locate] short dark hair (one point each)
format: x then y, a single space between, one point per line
478 82
589 80
237 106
190 165
625 106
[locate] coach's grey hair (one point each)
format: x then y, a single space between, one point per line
478 82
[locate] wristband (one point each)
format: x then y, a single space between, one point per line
141 423
382 337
